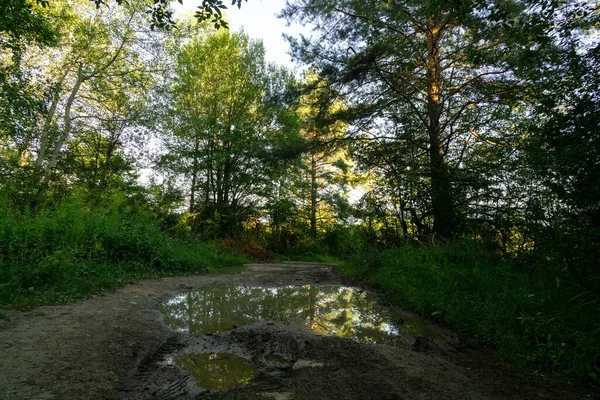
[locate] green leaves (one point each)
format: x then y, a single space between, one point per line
224 126
210 10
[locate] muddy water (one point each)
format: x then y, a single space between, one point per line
216 370
325 310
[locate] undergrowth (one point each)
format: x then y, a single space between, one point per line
64 253
535 316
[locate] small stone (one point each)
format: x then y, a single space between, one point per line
302 363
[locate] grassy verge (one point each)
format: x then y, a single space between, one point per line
534 317
65 253
70 280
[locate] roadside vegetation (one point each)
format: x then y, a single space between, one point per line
66 252
534 315
445 151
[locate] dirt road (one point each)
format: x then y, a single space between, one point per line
118 346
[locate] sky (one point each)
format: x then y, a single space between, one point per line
258 19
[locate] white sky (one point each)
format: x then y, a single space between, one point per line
258 19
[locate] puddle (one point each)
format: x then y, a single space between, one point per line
216 370
326 310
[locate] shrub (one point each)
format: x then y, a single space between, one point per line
64 252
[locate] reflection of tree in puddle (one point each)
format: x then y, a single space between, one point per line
326 310
217 370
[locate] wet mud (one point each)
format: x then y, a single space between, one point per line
275 331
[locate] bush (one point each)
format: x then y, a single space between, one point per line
65 252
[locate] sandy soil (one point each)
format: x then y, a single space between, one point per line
113 346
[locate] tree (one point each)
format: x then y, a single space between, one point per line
443 72
23 25
562 154
324 161
22 19
81 88
397 187
219 124
161 14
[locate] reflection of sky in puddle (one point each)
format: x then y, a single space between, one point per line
216 370
326 310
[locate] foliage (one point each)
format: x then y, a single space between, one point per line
67 251
221 121
246 247
24 22
536 318
563 153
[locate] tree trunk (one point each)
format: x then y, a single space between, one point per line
441 198
194 176
46 173
68 119
403 225
48 122
313 196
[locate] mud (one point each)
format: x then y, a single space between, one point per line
119 346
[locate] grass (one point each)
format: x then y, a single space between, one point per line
73 280
535 317
65 253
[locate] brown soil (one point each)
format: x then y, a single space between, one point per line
113 346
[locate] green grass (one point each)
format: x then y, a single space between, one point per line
65 253
73 280
536 318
